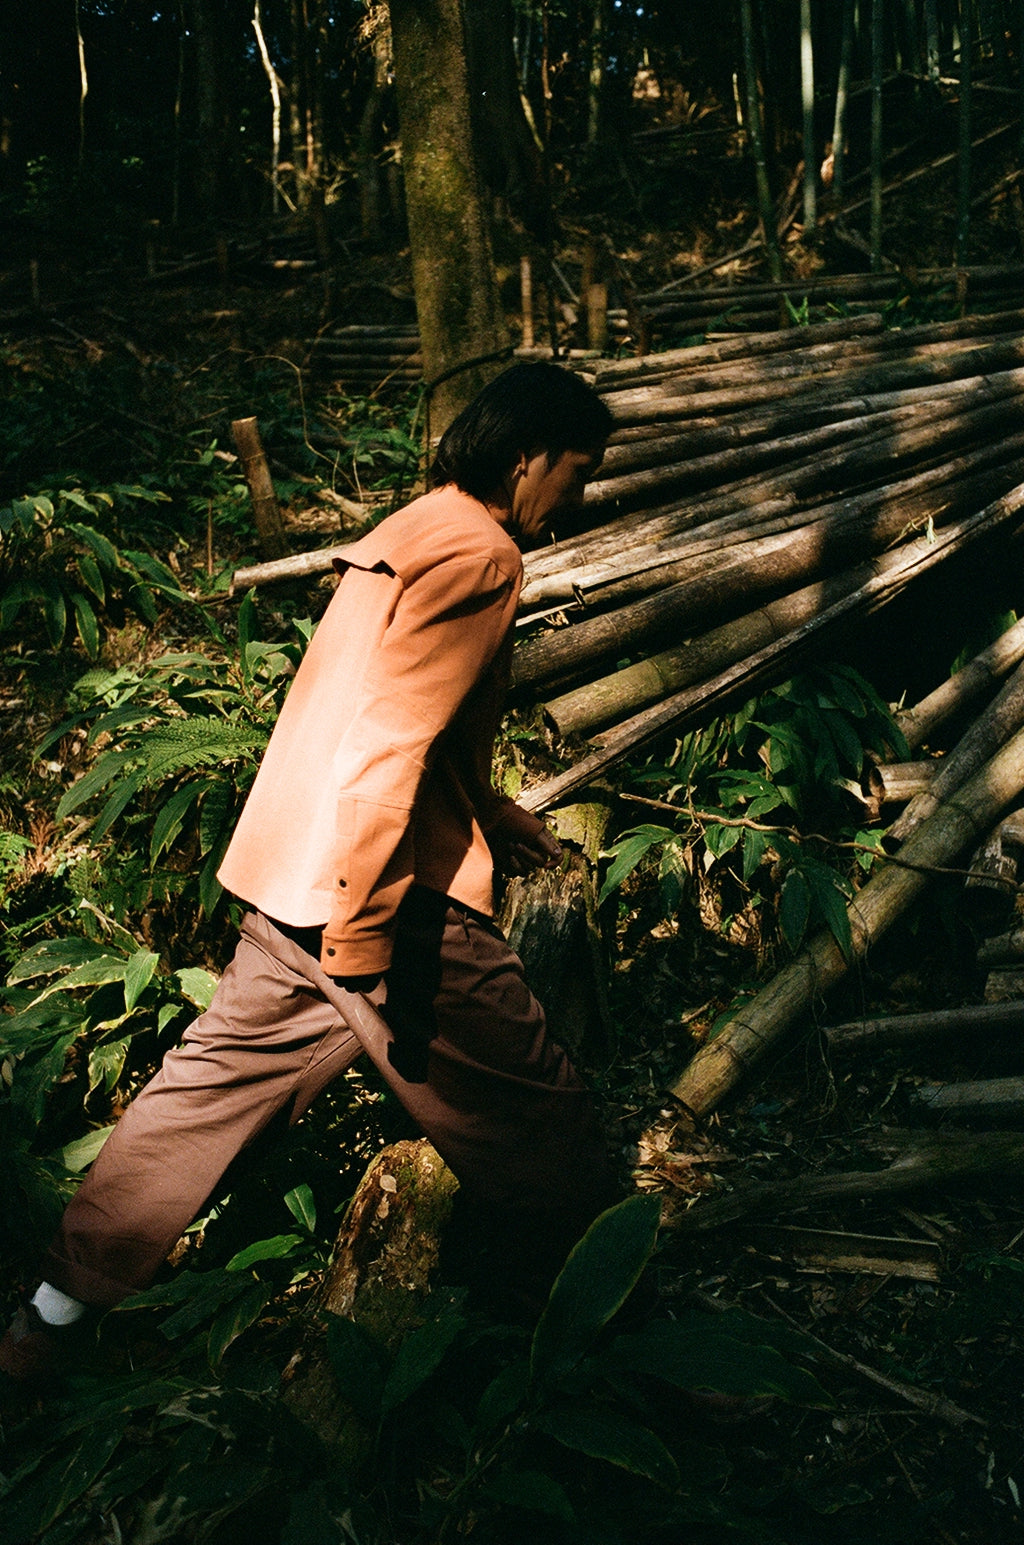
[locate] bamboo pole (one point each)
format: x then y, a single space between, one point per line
270 530
661 601
918 724
1001 719
719 1065
893 573
973 1022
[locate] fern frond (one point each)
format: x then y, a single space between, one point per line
178 745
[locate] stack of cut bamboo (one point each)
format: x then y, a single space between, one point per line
758 491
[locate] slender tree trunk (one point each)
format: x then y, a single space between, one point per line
877 61
202 21
595 82
963 185
807 93
373 111
275 99
83 85
931 38
842 93
464 333
755 131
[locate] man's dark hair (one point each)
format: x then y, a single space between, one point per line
530 407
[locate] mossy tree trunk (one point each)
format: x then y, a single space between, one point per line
462 325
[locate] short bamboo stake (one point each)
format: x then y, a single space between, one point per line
720 1065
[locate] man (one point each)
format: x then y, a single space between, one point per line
366 852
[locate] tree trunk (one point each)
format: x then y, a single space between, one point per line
810 179
877 62
462 326
755 133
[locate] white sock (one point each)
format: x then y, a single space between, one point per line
55 1307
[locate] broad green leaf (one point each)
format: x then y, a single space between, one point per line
276 1249
504 1395
54 955
209 1290
86 624
720 840
91 783
601 1272
301 1205
171 817
49 1493
754 847
419 1354
357 1362
92 579
533 1492
105 1064
138 973
118 802
55 612
78 1155
235 1318
197 985
694 1353
608 1435
101 546
628 852
831 905
794 907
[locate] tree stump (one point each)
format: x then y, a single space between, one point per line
384 1257
550 919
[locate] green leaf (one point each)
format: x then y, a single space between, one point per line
138 973
794 907
608 1435
533 1492
628 852
51 1491
419 1354
301 1205
598 1277
101 546
105 1064
171 817
755 845
694 1352
106 769
92 579
720 840
197 985
238 1315
357 1362
86 624
55 612
276 1249
504 1395
54 955
78 1155
831 905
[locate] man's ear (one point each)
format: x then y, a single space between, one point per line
520 468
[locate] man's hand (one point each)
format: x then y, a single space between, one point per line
521 842
364 984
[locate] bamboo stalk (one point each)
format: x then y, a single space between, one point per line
689 593
266 510
972 1021
919 723
921 1163
719 1065
893 572
1002 718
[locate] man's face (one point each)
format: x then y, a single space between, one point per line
542 488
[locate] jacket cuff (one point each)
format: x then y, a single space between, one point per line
369 956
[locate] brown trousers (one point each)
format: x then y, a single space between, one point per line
467 1053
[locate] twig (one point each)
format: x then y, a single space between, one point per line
931 1405
708 818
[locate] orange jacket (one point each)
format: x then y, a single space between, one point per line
378 771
